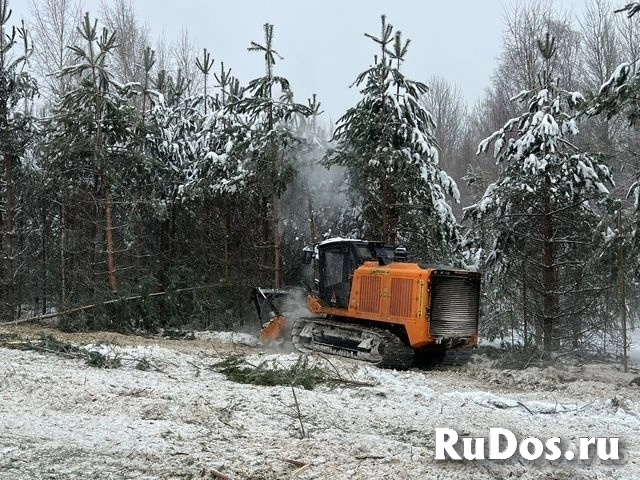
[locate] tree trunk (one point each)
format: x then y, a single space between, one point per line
63 270
266 238
623 298
44 257
548 278
276 240
139 239
9 238
385 212
111 261
524 305
96 252
390 218
227 236
8 235
314 237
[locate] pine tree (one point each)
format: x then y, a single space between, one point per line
148 62
539 215
17 128
270 142
197 150
92 133
204 66
386 142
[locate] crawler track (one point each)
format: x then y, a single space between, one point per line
379 347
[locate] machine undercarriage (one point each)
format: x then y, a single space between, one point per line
352 340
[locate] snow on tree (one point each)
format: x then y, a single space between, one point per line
387 144
94 139
621 94
619 241
270 142
194 138
539 215
196 141
17 130
239 146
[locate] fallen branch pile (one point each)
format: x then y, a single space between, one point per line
50 344
301 374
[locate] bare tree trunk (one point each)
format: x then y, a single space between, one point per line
63 270
266 238
8 235
390 217
276 240
314 237
9 238
139 239
96 229
227 235
385 213
623 299
44 257
548 277
111 261
524 303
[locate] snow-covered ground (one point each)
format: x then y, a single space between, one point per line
178 419
229 337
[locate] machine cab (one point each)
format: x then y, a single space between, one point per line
337 261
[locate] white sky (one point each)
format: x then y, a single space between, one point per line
323 42
324 46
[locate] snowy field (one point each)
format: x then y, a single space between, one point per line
178 419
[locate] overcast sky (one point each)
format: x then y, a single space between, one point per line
323 42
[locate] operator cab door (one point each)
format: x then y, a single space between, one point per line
337 264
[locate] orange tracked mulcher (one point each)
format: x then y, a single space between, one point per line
369 303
